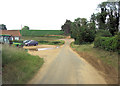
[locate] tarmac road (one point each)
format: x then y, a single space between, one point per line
66 67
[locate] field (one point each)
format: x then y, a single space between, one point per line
40 32
48 40
41 38
18 65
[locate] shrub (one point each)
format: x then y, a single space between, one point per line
107 43
103 33
85 35
118 37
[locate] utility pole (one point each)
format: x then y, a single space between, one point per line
21 29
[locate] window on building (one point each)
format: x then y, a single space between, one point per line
6 39
1 38
16 38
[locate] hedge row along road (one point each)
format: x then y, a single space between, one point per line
64 66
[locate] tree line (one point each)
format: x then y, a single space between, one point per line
104 23
3 27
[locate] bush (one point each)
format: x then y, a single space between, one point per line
103 33
107 43
118 37
82 31
85 35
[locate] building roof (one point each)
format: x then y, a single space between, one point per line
10 32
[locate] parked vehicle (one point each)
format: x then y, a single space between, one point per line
26 41
31 42
17 43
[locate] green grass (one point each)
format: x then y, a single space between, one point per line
56 42
41 38
18 66
111 58
41 32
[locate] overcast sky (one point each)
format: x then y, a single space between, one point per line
44 14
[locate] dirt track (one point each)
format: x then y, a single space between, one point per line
64 66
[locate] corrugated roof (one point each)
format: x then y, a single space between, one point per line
10 32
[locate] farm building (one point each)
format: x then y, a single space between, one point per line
9 35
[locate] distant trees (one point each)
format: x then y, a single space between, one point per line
3 27
25 28
66 27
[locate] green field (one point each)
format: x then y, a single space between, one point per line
41 38
40 32
56 42
18 66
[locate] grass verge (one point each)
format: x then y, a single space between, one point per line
18 66
104 61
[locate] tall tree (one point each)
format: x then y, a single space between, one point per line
82 31
101 16
66 27
119 15
113 19
93 18
108 17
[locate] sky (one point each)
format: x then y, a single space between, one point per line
44 14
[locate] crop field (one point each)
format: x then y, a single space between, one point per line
40 32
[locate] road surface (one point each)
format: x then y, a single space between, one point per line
64 66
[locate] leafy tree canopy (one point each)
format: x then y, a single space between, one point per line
66 27
25 28
3 27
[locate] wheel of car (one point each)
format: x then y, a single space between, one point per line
17 45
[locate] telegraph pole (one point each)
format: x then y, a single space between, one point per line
21 29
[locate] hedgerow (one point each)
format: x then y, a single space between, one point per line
107 43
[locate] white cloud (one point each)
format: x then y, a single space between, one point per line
44 14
